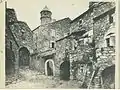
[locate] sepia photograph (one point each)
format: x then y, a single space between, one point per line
60 44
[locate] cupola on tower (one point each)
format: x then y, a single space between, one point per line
45 16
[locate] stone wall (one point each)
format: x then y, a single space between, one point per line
96 18
82 22
61 47
18 35
102 7
11 47
101 27
10 56
106 57
61 27
20 30
22 34
82 52
105 54
44 35
10 15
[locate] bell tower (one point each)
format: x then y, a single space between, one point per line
45 16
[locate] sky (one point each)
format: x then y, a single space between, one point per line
29 10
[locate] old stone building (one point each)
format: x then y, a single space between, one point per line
87 36
19 44
81 49
45 37
104 34
77 46
94 48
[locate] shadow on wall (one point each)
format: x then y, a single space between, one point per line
9 62
9 65
65 70
108 77
24 57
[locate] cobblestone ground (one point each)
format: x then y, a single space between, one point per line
32 79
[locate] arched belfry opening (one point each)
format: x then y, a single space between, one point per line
108 77
49 67
24 57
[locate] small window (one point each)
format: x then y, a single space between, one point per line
80 21
108 42
10 45
45 13
112 41
75 47
53 44
53 32
110 19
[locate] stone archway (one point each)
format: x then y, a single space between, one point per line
108 77
49 67
24 57
65 70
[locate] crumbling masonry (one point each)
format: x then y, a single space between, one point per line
81 49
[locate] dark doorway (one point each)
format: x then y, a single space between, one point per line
108 77
65 70
49 69
24 57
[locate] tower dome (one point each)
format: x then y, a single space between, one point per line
45 9
45 15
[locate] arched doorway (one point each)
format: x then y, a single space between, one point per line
24 57
108 77
49 68
65 70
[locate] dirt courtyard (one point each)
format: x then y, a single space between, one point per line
32 79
